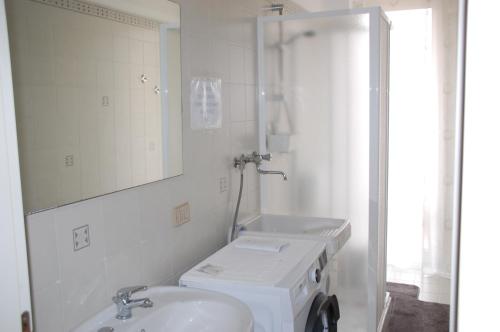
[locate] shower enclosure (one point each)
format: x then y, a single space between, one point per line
323 114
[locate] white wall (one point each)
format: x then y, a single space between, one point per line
132 237
479 270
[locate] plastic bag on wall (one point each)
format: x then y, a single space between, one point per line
206 103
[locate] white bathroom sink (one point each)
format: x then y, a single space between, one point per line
333 232
177 309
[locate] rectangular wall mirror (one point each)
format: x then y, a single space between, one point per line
98 98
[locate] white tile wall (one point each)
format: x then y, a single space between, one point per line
132 240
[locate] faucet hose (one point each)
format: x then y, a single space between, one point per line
235 220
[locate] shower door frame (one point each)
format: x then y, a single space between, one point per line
378 171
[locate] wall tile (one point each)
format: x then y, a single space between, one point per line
252 135
40 40
250 66
66 131
251 102
236 64
253 204
220 59
44 267
240 142
65 42
136 51
83 292
69 180
237 111
102 45
107 157
151 54
121 74
121 224
137 101
226 104
157 261
66 71
86 73
105 76
124 269
46 177
136 33
47 305
155 215
139 160
39 70
197 53
121 49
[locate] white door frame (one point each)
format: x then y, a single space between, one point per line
458 164
14 285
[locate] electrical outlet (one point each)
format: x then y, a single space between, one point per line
81 237
69 160
222 184
182 214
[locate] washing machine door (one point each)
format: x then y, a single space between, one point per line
324 314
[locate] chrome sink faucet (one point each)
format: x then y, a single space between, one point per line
125 304
257 159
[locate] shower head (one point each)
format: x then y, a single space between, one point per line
309 33
305 34
275 7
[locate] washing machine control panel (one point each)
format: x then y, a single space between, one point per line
311 281
315 272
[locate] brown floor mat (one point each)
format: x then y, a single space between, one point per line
408 314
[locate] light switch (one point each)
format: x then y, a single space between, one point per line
105 101
182 214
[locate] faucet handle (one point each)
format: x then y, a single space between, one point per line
266 157
126 292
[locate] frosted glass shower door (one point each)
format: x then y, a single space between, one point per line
323 116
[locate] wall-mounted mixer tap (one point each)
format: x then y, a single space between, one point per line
240 163
257 160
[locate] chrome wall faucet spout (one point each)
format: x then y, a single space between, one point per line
261 171
125 304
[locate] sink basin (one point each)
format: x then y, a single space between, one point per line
333 232
177 309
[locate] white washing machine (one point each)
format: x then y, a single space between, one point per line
284 282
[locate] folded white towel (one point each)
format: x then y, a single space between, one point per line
270 245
